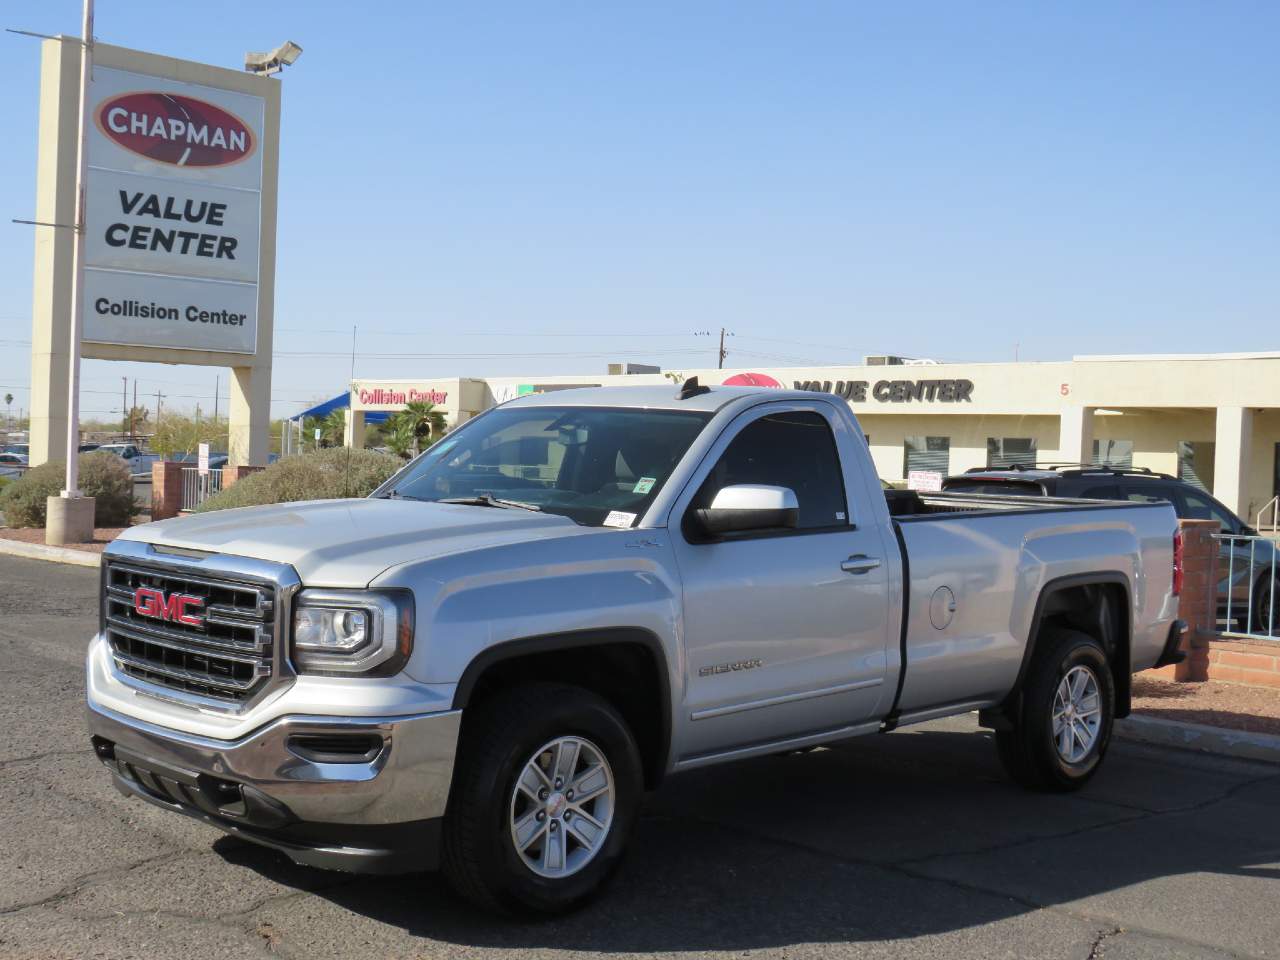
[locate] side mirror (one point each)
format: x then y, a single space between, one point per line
746 507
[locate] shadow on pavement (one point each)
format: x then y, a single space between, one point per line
887 838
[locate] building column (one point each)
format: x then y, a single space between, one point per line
1233 443
1075 435
51 287
353 431
250 418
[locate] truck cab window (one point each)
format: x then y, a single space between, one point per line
793 450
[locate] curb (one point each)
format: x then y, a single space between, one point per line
39 551
1197 736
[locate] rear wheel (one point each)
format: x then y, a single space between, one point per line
1068 710
546 791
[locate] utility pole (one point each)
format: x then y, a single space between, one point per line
217 383
133 408
124 406
159 397
72 490
723 352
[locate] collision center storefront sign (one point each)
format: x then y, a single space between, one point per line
173 214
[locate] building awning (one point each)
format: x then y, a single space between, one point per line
340 402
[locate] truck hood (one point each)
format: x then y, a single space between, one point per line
347 543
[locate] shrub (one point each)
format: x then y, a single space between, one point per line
103 476
321 475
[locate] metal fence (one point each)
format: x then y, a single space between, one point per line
196 489
1248 587
1272 507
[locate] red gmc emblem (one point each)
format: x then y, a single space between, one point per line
177 606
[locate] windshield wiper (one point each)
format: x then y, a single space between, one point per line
489 500
394 494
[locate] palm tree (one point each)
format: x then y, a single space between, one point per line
334 428
424 420
398 435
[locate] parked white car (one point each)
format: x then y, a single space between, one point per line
13 465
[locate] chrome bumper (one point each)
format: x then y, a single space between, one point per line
375 809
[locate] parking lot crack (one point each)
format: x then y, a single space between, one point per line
70 890
1096 948
46 755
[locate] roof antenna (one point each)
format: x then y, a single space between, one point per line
691 388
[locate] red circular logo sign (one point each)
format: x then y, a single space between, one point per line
176 129
751 380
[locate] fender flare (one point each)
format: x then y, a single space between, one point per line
1057 585
574 640
1001 717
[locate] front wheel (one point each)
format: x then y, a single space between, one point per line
546 791
1068 712
1265 592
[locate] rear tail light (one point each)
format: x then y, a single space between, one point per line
1177 563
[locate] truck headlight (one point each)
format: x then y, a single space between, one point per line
352 631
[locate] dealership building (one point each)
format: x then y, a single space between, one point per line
1212 419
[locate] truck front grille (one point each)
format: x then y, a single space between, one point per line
216 640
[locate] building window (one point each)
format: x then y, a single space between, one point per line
1113 453
1195 462
1275 480
932 454
1007 451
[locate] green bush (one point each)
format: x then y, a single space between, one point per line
321 475
103 476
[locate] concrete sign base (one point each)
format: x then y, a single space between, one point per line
68 520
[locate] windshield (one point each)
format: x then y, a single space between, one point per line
599 466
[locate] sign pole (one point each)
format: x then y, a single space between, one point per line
72 489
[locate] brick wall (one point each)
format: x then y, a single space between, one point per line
231 474
1255 662
1198 604
166 489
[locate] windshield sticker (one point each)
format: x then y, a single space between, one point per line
619 518
644 484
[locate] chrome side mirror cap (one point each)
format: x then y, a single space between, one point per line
749 507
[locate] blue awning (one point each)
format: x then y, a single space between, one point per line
340 402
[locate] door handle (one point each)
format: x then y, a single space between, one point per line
860 563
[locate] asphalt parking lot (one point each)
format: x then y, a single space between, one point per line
908 845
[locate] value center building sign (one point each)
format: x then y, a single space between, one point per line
173 214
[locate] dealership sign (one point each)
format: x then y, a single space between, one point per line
173 214
396 394
894 391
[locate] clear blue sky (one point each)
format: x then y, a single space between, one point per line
824 179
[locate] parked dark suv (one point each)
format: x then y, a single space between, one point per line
1242 562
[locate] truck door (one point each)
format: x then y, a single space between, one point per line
786 631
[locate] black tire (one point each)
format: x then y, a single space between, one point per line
1263 621
1029 752
499 737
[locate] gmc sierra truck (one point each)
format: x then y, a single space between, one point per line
482 666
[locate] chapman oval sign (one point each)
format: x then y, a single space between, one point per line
175 129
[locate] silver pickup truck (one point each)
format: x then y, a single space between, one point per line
483 666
